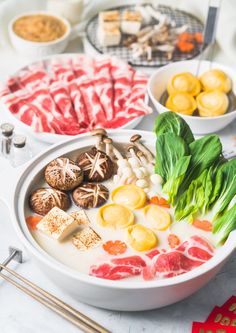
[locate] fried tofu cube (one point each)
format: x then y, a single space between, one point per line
109 19
57 224
131 22
86 239
81 217
108 37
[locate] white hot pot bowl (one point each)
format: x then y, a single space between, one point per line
35 49
199 125
124 295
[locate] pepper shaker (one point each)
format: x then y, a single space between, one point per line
6 139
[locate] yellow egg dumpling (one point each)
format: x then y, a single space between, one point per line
157 217
131 196
184 83
216 79
140 238
115 216
181 103
212 103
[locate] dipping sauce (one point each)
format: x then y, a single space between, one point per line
39 28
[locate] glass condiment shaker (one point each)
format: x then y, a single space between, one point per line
7 130
20 152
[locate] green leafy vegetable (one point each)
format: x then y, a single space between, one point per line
170 122
201 193
194 198
170 148
224 224
196 177
227 174
204 151
171 187
217 179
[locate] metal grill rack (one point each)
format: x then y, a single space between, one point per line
159 59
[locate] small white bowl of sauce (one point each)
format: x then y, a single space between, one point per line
39 33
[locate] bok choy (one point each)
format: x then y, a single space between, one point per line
170 122
172 185
227 173
170 148
194 198
196 177
201 193
224 224
204 151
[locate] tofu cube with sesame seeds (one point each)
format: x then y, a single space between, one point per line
57 224
86 239
81 217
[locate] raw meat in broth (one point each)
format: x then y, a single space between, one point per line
188 255
120 268
192 253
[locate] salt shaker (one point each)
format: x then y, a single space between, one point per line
6 139
20 152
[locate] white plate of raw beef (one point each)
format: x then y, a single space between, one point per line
70 94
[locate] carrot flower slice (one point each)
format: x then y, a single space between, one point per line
203 225
115 247
173 240
32 221
160 202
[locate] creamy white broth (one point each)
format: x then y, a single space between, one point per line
66 253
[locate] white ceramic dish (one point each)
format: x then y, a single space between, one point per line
29 48
127 296
50 137
199 125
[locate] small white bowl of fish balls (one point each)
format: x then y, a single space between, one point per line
203 93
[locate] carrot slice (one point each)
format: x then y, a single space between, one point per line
154 200
115 247
198 37
185 46
186 37
160 202
163 202
32 221
203 224
173 240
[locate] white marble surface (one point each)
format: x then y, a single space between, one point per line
20 314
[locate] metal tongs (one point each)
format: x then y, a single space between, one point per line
209 35
83 322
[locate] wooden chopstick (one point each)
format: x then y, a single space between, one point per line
54 303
